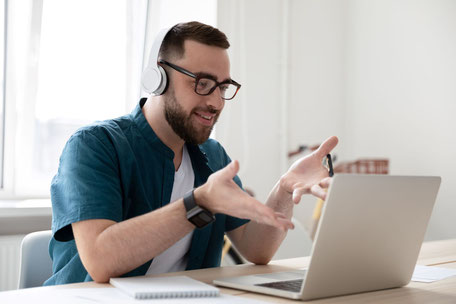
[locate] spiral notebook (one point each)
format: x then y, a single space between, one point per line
164 287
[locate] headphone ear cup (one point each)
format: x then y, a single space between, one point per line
163 86
154 80
151 79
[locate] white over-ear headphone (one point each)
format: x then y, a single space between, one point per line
154 79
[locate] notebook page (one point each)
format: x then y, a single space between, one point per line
164 287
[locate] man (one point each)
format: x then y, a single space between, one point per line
122 199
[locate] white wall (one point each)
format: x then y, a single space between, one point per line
401 92
249 127
317 67
379 74
292 91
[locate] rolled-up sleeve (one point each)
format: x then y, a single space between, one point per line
87 184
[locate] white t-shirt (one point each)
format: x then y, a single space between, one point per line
175 257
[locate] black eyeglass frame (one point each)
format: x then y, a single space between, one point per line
198 77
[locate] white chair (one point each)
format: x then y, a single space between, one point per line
36 264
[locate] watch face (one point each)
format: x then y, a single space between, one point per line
205 217
202 218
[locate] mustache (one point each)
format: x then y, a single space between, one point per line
206 109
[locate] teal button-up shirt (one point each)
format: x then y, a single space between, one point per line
116 170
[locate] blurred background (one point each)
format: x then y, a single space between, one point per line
379 74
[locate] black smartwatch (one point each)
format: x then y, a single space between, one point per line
197 215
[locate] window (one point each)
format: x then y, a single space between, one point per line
83 63
2 81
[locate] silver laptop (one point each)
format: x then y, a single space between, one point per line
369 237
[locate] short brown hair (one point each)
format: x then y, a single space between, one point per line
173 43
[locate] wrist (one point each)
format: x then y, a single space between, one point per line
201 198
284 189
283 196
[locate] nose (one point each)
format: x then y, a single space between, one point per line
215 100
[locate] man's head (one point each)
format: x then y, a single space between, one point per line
194 56
173 44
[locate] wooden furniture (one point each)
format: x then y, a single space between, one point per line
442 253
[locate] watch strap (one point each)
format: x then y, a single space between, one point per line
189 201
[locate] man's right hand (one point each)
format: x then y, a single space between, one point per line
220 194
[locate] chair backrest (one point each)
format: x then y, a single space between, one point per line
36 264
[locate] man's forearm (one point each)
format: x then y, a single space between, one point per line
260 242
118 248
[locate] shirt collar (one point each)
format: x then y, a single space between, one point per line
195 151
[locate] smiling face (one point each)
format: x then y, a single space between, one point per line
192 116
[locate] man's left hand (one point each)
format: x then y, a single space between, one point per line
308 175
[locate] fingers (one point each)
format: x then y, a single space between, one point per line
327 146
326 182
279 220
318 191
243 205
298 192
286 222
265 215
231 170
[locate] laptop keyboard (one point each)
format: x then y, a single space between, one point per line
292 285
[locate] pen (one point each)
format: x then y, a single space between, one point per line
330 165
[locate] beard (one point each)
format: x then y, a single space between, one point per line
181 123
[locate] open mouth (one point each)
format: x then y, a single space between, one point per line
205 119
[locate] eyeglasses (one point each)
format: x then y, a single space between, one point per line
205 84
